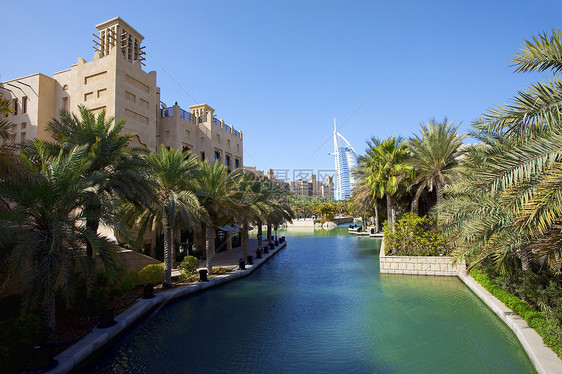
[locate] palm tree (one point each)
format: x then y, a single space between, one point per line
120 170
519 165
5 125
217 192
388 170
172 173
278 207
435 158
250 199
43 228
363 200
8 163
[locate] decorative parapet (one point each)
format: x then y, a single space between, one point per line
420 265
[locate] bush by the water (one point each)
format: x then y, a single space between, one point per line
129 281
414 236
544 323
153 273
188 268
189 264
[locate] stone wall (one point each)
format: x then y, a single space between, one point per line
131 260
342 220
420 265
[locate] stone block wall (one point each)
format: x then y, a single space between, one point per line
131 260
420 265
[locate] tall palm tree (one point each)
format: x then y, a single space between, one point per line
5 125
278 207
43 228
519 165
172 173
388 170
252 207
120 169
434 157
217 192
363 200
8 163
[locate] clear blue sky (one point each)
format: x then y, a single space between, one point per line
282 70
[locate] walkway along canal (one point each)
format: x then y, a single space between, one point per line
321 306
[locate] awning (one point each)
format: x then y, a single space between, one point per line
228 228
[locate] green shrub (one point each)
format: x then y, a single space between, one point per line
414 236
188 268
129 281
189 265
221 270
18 336
91 304
153 273
547 328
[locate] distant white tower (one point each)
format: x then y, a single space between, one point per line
346 160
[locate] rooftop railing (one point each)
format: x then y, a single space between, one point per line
186 115
168 112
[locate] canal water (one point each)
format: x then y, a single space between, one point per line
321 306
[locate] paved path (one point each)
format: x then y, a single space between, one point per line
228 258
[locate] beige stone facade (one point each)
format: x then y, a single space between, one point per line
115 81
200 132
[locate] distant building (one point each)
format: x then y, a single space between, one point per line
313 187
346 161
302 187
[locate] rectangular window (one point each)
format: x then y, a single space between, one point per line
202 156
23 125
23 137
236 163
24 104
15 107
65 105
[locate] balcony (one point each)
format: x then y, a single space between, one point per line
169 112
188 116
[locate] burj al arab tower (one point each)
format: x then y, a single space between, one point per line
346 160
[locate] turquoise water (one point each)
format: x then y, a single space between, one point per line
321 306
